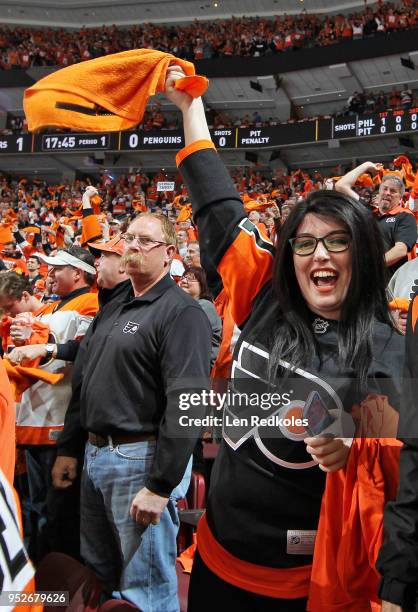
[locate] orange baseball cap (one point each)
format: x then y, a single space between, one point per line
116 245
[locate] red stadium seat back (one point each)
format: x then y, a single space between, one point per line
59 572
195 500
183 535
117 605
196 495
183 582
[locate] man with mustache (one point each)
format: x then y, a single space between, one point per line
149 348
397 224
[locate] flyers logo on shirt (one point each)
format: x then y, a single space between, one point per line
281 439
131 328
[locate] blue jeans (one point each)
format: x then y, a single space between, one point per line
133 563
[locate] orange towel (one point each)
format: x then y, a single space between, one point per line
40 333
22 377
7 426
31 229
185 213
105 94
350 530
365 180
408 174
95 201
414 192
254 205
6 233
187 556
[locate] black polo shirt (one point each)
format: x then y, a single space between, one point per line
141 356
397 225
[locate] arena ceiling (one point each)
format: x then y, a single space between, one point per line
318 91
322 90
78 13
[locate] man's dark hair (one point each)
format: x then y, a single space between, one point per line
35 258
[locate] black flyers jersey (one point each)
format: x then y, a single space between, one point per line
265 489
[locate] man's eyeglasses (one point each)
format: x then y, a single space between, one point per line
334 242
141 240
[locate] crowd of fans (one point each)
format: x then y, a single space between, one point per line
48 298
56 209
23 47
377 101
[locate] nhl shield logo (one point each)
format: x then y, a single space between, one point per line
131 328
320 326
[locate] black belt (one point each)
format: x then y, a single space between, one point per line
126 438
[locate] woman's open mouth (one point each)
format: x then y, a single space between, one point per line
324 279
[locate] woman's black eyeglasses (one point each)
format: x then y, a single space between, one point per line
334 242
190 278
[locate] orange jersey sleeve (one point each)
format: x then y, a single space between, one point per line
231 246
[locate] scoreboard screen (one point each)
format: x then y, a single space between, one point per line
14 143
398 122
75 142
377 124
171 139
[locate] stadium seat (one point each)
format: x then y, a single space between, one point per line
194 500
59 572
117 605
183 580
196 495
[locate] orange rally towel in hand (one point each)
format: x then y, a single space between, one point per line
350 530
39 332
6 233
107 93
23 377
185 213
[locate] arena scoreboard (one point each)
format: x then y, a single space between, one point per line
387 122
171 139
398 122
76 142
16 144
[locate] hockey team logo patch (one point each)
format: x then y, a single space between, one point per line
131 328
320 326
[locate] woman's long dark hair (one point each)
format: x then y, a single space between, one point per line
366 297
